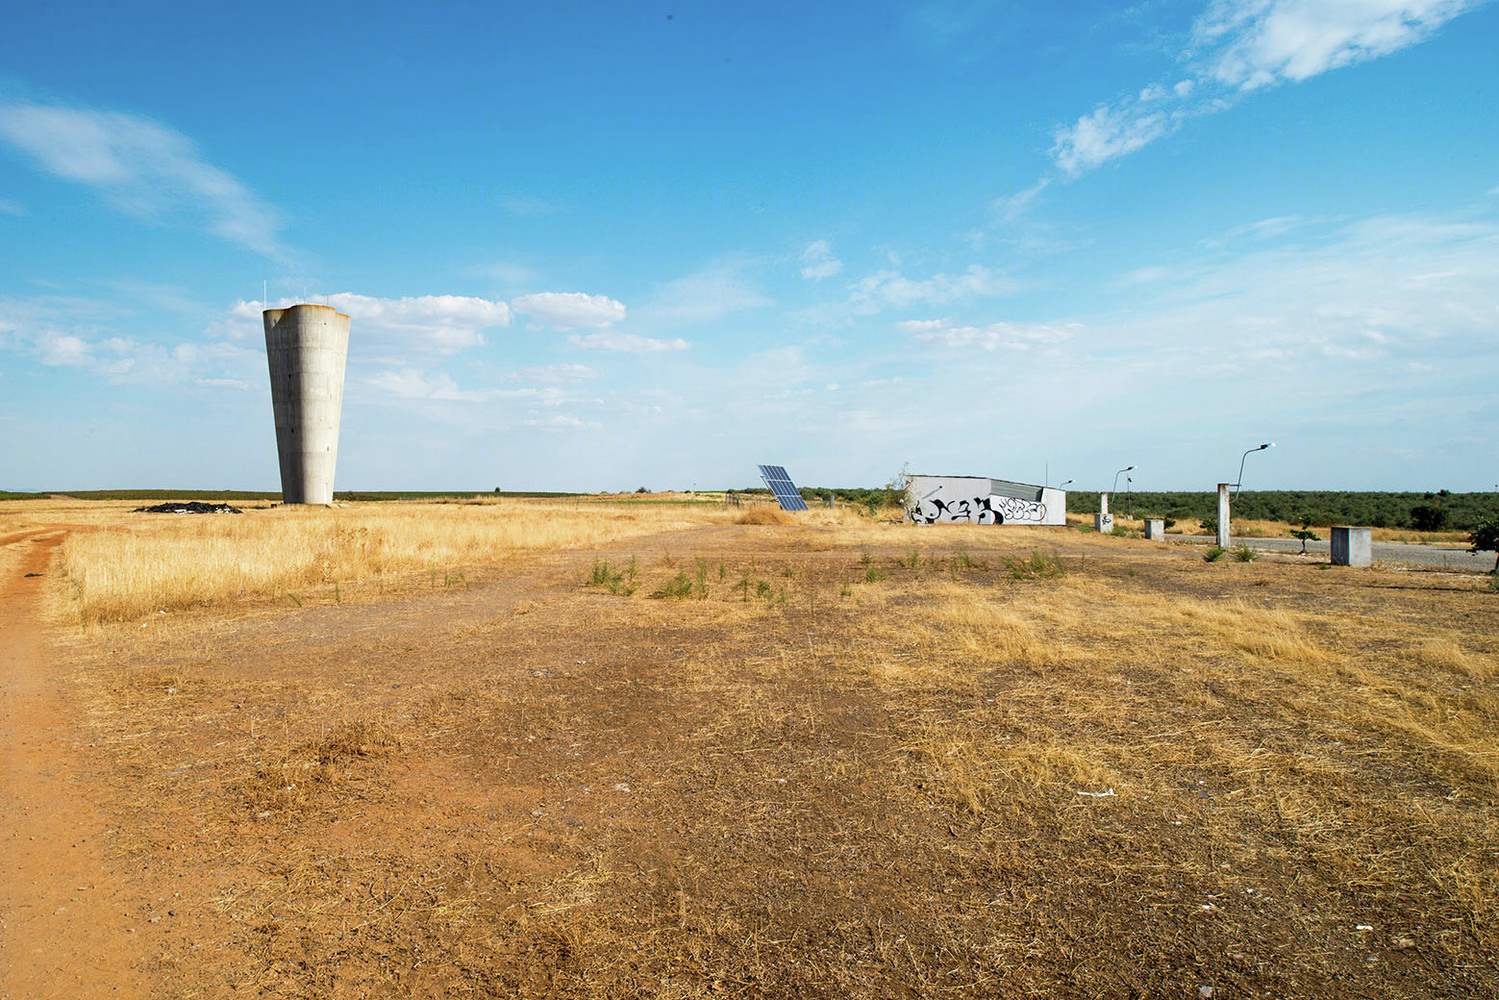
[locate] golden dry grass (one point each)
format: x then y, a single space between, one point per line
166 562
899 767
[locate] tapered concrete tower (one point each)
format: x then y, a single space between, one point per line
306 347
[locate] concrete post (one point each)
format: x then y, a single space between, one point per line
1103 521
1352 546
306 347
1223 506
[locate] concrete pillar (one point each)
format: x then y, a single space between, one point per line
1352 546
1223 506
1103 521
1155 528
306 347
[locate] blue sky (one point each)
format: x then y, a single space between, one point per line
598 246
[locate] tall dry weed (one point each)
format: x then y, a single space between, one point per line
185 561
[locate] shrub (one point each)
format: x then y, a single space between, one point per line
1428 517
1214 553
1485 538
1245 553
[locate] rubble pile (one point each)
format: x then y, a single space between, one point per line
191 507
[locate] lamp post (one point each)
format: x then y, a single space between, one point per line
1129 497
1069 483
1242 459
1116 478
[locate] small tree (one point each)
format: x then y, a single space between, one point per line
1485 538
1305 532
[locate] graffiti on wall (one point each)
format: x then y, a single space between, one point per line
979 510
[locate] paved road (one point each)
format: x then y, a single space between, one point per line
1396 553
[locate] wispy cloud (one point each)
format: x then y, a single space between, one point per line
414 383
717 290
891 288
1261 43
439 324
8 207
570 310
142 168
559 373
819 261
1240 46
1010 336
1403 289
629 343
1105 134
130 361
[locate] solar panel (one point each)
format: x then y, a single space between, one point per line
781 485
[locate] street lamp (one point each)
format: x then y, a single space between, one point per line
1116 478
1242 459
1069 483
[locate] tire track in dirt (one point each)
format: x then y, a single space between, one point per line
64 923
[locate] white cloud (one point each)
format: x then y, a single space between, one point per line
1238 46
818 261
610 340
63 349
512 274
891 288
142 168
703 296
1105 134
1265 42
412 383
8 207
438 323
562 422
570 310
1392 288
128 361
559 373
1012 207
1011 336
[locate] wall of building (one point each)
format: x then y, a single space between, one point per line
981 500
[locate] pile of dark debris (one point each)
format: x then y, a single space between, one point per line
191 507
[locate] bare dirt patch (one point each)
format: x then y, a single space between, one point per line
824 760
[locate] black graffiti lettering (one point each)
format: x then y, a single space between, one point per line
983 510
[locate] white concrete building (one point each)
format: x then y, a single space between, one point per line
978 500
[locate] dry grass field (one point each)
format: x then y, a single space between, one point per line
520 749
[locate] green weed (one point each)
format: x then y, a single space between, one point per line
1040 566
678 587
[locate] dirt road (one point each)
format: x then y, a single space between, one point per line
65 924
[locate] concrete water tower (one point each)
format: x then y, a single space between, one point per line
306 347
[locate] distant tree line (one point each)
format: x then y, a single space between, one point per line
1414 511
